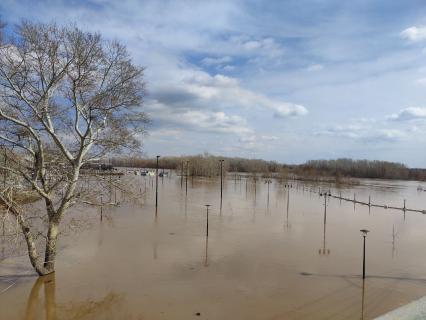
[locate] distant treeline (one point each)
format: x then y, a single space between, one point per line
202 165
360 169
209 165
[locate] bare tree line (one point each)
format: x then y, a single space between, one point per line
208 165
200 165
360 169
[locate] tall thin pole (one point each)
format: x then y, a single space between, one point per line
221 182
186 178
101 208
364 234
288 203
363 260
207 221
181 176
156 184
325 208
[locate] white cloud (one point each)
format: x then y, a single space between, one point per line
261 48
269 138
414 33
412 113
165 133
206 121
315 67
209 61
363 133
199 90
421 81
228 68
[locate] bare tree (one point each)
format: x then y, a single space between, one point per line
66 97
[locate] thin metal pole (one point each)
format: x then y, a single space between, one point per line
325 208
288 202
221 182
268 191
207 221
363 261
186 178
181 176
156 184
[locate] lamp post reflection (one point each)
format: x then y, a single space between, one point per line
288 225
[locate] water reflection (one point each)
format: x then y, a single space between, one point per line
394 235
287 224
42 304
324 251
206 253
49 298
155 240
362 299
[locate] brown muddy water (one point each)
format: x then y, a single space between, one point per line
262 260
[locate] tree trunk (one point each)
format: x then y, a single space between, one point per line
32 250
50 254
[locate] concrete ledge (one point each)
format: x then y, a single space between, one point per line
415 310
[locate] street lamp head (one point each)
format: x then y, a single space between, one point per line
158 157
208 205
364 232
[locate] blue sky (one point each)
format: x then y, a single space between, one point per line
279 80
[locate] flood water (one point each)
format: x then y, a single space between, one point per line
263 259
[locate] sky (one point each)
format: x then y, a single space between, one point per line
287 81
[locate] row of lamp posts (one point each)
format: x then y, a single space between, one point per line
364 232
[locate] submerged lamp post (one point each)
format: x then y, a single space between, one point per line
207 221
364 234
325 194
268 181
221 181
186 177
156 184
181 176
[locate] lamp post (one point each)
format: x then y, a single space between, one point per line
268 181
325 206
207 221
156 184
186 177
221 181
288 204
364 234
181 176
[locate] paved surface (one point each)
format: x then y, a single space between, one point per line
415 310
